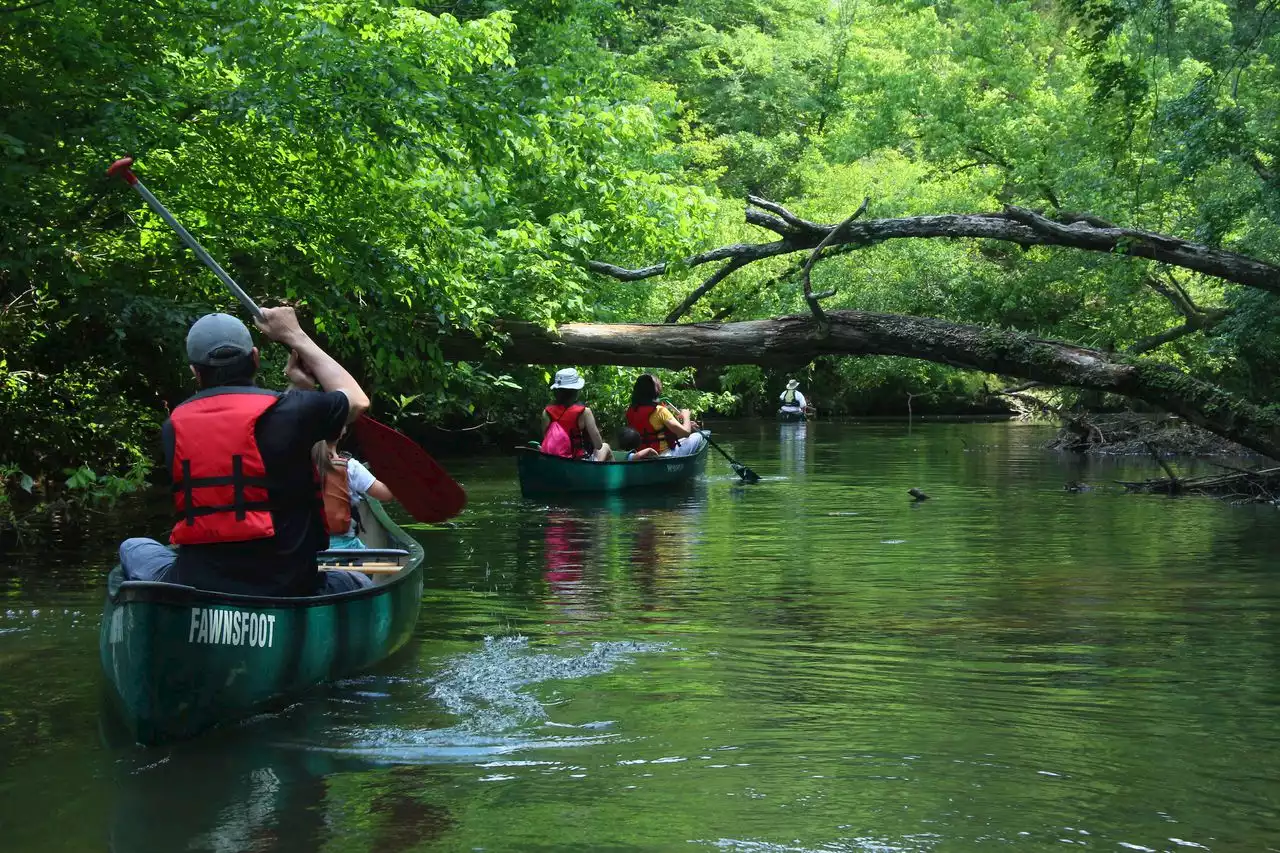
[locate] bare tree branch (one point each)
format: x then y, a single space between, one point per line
699 292
1159 339
1015 225
751 251
790 218
1260 169
1197 319
809 297
723 313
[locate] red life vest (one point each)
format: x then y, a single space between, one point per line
219 479
638 419
567 417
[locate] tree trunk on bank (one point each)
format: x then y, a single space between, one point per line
796 340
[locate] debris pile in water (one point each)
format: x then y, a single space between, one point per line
1124 433
1261 486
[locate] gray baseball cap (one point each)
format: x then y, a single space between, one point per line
217 339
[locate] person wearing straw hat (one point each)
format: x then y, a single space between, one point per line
793 402
574 418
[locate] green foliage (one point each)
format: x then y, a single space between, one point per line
404 173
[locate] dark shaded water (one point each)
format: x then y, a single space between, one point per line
813 663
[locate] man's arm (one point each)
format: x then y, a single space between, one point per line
281 326
296 372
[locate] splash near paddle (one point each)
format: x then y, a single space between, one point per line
420 485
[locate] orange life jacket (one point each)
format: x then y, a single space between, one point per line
219 479
638 419
567 417
336 491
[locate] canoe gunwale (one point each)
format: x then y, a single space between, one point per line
560 459
159 592
541 474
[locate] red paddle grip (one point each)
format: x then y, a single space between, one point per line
121 169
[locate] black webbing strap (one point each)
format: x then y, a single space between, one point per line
248 506
237 480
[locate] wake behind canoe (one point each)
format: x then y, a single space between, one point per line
179 660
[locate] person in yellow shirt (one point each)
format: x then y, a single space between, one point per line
659 428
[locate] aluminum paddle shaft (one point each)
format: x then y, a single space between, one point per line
122 169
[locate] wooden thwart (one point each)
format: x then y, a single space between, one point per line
367 568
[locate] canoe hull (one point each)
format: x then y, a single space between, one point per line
178 660
791 416
542 474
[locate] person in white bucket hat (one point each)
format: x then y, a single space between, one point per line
574 418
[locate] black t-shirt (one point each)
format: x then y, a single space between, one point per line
285 564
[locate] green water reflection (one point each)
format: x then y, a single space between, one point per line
811 663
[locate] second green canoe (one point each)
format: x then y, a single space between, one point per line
542 474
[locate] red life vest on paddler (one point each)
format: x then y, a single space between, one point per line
638 419
336 490
567 418
219 479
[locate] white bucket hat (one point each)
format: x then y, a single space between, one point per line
568 378
792 384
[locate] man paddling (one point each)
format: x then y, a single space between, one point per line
248 508
793 402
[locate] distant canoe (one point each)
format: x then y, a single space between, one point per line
179 660
542 474
784 415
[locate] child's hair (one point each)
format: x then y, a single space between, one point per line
320 457
628 439
321 454
565 396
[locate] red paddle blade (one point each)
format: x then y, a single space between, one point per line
420 485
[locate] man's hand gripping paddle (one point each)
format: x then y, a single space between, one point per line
421 486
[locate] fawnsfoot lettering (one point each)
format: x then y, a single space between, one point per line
231 627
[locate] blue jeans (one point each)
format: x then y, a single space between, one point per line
148 560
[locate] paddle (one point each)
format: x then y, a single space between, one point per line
747 475
421 486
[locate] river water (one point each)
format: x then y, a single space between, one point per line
812 663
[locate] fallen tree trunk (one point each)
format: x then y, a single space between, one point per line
796 340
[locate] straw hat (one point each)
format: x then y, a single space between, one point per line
792 384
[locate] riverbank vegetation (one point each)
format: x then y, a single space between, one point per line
415 174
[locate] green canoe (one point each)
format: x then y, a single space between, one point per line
179 660
542 474
791 416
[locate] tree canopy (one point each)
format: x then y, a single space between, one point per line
410 171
